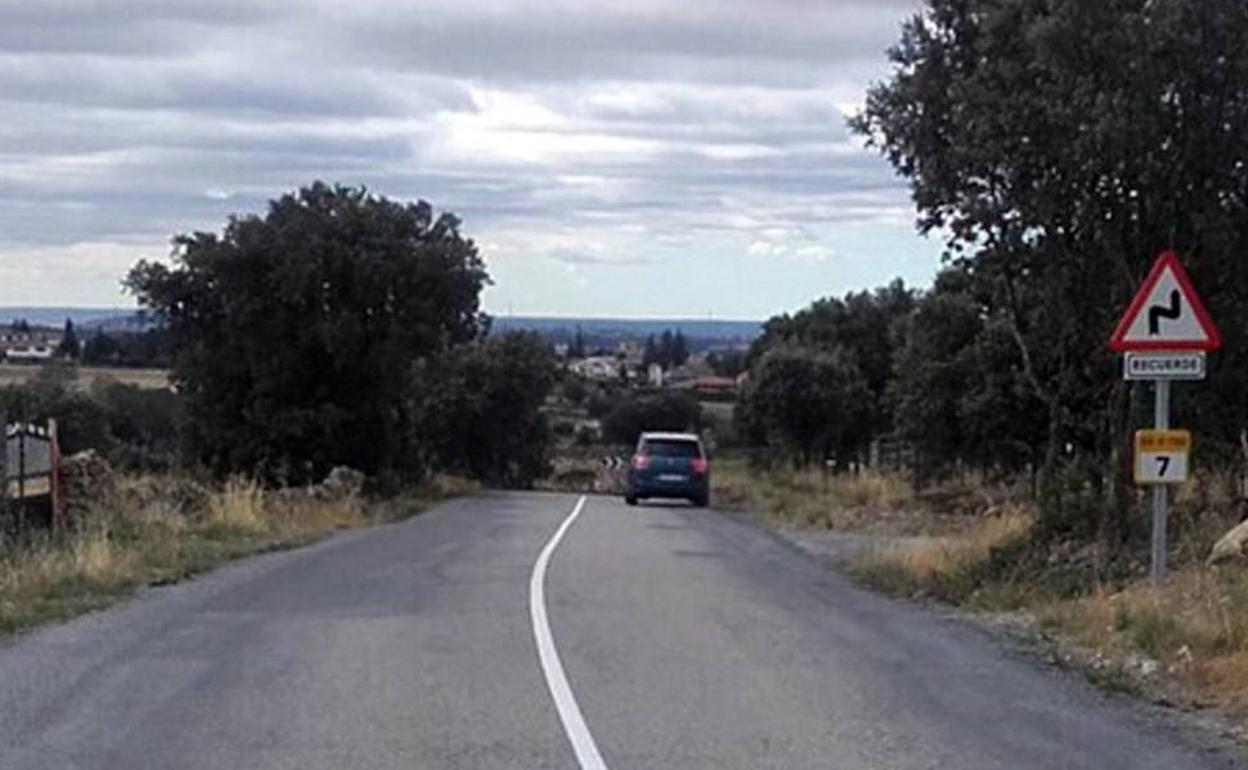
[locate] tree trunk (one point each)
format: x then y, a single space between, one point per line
1050 481
1115 524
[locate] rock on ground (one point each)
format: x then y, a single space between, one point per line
86 479
1233 546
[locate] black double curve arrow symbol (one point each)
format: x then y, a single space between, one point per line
1158 312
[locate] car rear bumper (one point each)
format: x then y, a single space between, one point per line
653 486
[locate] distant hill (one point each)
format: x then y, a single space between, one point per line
84 317
599 331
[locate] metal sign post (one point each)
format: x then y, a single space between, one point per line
1164 334
1161 492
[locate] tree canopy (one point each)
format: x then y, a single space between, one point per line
69 341
632 415
1058 147
295 334
479 408
848 341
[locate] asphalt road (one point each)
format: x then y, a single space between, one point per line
683 639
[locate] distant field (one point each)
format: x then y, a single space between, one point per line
154 379
720 411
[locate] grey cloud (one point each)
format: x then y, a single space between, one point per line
740 42
132 120
126 28
59 14
35 131
195 87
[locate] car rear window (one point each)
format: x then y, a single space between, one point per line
671 448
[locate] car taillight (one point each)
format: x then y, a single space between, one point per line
641 462
700 466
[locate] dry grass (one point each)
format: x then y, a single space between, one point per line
51 579
1188 637
96 557
1193 630
975 546
163 529
240 505
811 498
951 568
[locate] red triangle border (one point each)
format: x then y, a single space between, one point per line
1167 259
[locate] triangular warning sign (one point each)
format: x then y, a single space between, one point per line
1166 313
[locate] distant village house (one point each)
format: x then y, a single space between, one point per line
597 368
22 343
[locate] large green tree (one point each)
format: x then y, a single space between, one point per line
631 415
1059 146
856 330
69 347
958 393
295 333
478 408
806 403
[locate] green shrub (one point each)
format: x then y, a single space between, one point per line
662 411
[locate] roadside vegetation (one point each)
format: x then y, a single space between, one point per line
84 376
807 497
157 529
1184 643
337 336
1057 149
977 545
373 354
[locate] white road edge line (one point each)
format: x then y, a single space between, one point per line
565 702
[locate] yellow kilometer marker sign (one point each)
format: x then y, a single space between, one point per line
1161 456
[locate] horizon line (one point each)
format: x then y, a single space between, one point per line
491 313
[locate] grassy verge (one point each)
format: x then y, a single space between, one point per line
880 503
809 498
1185 642
1189 636
164 529
973 567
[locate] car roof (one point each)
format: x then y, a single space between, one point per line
660 436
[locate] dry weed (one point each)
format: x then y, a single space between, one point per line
945 558
164 528
240 505
97 558
810 497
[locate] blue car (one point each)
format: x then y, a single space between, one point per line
669 465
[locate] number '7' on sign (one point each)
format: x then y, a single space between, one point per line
1161 456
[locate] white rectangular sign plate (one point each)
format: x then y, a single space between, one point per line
1155 365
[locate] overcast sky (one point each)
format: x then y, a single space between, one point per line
610 157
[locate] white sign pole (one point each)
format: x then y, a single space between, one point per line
1161 421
